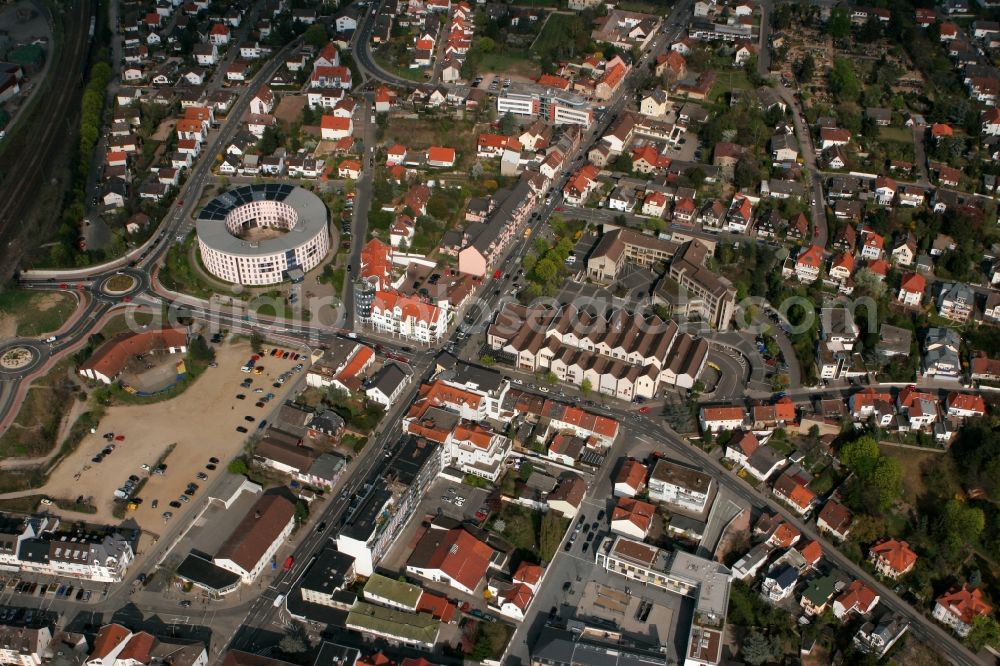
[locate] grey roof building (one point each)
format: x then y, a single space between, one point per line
561 647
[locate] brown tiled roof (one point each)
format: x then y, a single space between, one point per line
257 531
109 358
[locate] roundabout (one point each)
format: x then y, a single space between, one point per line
18 358
123 283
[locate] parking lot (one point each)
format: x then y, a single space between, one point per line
41 592
206 421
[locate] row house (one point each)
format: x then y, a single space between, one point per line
623 355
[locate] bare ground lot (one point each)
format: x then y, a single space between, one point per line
33 313
289 109
201 422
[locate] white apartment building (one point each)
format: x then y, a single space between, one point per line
407 317
680 486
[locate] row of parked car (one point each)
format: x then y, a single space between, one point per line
53 590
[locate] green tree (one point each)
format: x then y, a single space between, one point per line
586 387
269 141
985 631
256 343
757 649
806 68
292 644
238 466
199 351
526 470
860 455
315 36
546 270
507 123
960 524
844 81
550 535
839 24
747 171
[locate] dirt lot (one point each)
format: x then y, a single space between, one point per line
198 423
33 313
289 109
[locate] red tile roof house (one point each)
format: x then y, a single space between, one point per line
715 419
959 607
630 479
892 558
964 405
794 494
349 169
632 517
940 131
834 519
741 447
109 360
857 598
453 557
441 157
808 264
911 290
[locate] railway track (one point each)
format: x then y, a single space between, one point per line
57 118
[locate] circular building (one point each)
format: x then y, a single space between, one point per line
263 234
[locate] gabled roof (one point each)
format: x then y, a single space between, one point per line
635 511
810 257
836 515
108 638
859 597
966 402
261 525
914 282
897 555
456 553
965 604
632 473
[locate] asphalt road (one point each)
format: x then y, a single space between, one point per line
817 203
362 202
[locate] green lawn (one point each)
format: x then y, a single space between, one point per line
519 527
404 72
731 79
559 30
37 312
897 134
518 63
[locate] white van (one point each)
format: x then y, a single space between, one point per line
279 600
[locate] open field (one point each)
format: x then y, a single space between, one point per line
35 430
289 109
402 72
559 31
513 64
914 463
731 79
29 314
897 134
196 422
